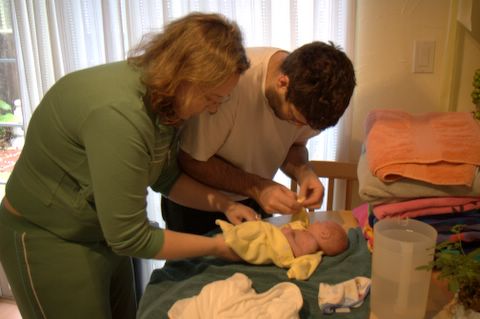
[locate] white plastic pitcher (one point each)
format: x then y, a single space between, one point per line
399 290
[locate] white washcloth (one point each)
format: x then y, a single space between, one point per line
234 297
343 296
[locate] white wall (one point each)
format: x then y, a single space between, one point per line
386 31
385 35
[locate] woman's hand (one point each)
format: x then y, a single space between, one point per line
223 250
238 213
182 245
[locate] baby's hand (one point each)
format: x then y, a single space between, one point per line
286 230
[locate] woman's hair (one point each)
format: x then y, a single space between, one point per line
321 82
200 49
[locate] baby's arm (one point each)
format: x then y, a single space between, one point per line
288 233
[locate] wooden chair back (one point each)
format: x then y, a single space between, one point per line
334 171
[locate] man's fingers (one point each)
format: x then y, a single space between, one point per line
288 209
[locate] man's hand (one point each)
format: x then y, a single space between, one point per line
238 213
276 198
311 190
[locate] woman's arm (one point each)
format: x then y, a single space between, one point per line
181 245
188 192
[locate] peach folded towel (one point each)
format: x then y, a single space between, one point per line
441 148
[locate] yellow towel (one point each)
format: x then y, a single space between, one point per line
259 242
302 216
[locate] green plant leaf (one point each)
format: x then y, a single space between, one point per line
5 107
8 118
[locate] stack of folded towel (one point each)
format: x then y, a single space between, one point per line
423 166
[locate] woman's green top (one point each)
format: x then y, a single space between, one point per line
91 150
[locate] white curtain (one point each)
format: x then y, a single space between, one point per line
58 37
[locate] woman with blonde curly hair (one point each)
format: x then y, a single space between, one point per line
75 205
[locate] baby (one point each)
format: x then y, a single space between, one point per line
298 245
327 236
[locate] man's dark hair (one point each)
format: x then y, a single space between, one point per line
321 82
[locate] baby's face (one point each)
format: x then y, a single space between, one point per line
301 241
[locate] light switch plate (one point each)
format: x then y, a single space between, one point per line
423 56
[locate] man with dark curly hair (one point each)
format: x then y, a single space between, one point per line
279 103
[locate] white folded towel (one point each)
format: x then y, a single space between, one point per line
234 297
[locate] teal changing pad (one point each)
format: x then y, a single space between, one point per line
185 278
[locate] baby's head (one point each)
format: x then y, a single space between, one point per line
330 236
327 236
